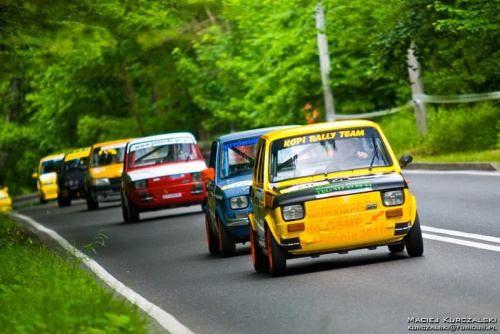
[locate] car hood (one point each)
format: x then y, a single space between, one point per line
165 170
237 187
110 171
48 177
338 187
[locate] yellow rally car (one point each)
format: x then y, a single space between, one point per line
104 172
329 188
46 177
5 200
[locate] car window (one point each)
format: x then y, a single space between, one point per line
327 152
105 156
181 149
213 155
237 157
50 166
260 158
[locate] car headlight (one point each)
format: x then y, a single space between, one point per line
238 202
141 184
100 182
392 198
196 177
293 212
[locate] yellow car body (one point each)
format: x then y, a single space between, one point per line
47 176
329 188
5 200
104 172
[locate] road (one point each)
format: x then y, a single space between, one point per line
165 259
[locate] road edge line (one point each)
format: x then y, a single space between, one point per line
165 319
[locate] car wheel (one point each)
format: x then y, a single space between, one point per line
212 241
260 261
397 248
132 211
276 255
226 240
413 240
91 204
63 201
43 200
125 216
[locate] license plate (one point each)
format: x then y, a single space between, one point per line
176 195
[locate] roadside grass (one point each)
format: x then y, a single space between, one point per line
43 292
483 156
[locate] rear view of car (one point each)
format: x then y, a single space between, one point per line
71 179
47 177
160 172
104 171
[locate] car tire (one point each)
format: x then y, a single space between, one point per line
276 255
43 200
212 241
397 248
259 260
125 216
63 201
413 240
132 211
226 240
91 204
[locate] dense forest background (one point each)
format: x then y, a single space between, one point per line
73 73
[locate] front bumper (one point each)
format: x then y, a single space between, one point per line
108 193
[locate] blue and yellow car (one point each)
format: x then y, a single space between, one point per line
329 188
229 177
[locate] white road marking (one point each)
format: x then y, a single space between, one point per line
461 234
466 172
165 319
461 241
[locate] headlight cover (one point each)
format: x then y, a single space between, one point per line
293 212
238 202
196 177
100 182
141 184
392 198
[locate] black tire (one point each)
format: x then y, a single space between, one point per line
132 211
276 255
125 216
397 248
413 240
62 202
226 240
212 240
259 260
43 200
91 204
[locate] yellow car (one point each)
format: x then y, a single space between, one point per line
46 177
329 188
104 172
5 200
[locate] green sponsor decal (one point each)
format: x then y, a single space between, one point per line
347 185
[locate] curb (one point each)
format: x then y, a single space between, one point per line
445 166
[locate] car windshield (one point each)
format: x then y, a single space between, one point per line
50 166
74 164
161 151
108 155
327 152
237 157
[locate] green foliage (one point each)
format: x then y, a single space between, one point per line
463 129
41 292
401 132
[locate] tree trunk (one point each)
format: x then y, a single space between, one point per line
134 105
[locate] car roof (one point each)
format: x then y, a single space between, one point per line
162 136
77 155
252 133
54 157
118 143
318 127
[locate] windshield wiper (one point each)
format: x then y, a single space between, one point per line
375 148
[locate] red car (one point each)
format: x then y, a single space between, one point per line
160 172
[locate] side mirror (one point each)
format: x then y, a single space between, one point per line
405 160
34 175
208 174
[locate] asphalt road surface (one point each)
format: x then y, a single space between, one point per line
165 259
